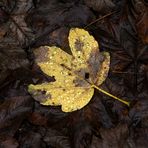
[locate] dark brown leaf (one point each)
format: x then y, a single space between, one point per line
102 6
12 112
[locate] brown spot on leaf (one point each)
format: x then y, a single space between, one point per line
41 96
78 82
66 67
86 75
41 54
79 45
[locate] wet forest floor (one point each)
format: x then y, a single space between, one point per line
120 27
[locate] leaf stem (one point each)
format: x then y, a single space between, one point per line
103 91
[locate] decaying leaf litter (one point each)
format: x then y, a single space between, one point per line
104 122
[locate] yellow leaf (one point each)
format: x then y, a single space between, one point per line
82 46
75 75
71 98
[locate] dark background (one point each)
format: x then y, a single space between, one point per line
120 27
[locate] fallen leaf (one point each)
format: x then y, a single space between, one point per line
18 26
140 12
31 138
50 14
75 74
11 58
13 111
56 138
114 137
100 5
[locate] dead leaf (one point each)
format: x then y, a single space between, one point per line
140 12
100 5
75 74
